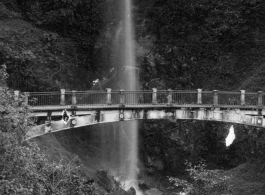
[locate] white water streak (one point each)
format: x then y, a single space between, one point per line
230 137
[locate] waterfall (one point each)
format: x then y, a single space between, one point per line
130 83
124 150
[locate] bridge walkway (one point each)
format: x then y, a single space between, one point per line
93 107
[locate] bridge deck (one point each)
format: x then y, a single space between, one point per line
93 107
142 99
141 106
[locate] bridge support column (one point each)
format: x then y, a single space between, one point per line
49 115
62 100
200 114
154 96
73 97
215 97
199 96
121 115
97 116
26 100
182 113
122 98
108 96
169 97
260 103
217 114
16 95
242 98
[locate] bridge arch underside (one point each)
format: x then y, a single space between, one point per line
85 118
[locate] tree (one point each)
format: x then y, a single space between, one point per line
211 39
203 181
24 169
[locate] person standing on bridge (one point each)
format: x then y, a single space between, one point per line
65 116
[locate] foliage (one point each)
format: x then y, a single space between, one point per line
202 181
58 54
79 20
24 169
197 40
200 40
252 143
3 76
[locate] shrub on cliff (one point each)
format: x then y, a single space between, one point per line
202 181
24 169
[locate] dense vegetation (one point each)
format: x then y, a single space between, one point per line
51 44
198 41
24 169
210 40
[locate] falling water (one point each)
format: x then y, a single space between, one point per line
130 81
125 134
129 57
230 137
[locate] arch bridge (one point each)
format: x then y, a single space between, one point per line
94 107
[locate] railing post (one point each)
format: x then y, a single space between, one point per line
49 115
62 100
16 95
73 97
215 97
243 98
260 98
122 98
169 97
108 96
154 96
26 100
199 96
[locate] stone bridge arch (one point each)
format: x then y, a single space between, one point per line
93 117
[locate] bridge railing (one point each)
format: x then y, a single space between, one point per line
87 98
134 98
228 98
206 97
156 97
251 99
43 98
185 97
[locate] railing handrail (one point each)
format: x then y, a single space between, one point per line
167 97
99 91
42 93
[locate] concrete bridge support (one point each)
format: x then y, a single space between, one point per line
109 116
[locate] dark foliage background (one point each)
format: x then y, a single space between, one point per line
191 44
184 44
